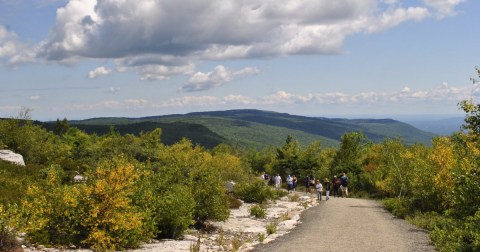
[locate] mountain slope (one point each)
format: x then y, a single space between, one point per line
258 129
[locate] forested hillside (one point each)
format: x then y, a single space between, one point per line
254 128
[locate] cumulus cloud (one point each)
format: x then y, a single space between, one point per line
159 39
12 50
218 77
233 29
99 71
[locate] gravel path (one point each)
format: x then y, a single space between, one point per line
346 224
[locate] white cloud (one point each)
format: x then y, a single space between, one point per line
34 97
161 72
113 90
12 49
442 93
238 100
394 17
7 42
218 77
159 39
442 96
190 101
99 71
443 8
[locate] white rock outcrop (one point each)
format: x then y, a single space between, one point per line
11 156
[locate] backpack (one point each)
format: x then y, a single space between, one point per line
337 182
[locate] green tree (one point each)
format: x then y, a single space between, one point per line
286 160
348 157
313 161
61 126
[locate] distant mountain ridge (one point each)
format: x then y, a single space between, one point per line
256 128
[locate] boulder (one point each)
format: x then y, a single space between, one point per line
11 156
79 179
229 185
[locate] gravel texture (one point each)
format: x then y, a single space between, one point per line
347 224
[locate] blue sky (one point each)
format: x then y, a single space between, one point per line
373 58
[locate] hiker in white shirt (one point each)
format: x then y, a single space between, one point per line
319 187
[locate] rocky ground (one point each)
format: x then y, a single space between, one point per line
241 232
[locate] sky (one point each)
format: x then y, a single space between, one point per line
81 59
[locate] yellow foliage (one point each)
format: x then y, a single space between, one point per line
443 158
111 216
36 208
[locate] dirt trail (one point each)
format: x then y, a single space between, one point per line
345 224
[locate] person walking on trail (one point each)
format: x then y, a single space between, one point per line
289 183
307 184
319 187
344 185
278 182
336 187
265 178
294 182
326 184
312 184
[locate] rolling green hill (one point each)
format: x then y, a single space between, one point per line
255 128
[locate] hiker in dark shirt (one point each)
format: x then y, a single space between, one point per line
336 187
344 185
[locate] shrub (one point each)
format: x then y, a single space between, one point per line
98 214
455 235
466 196
234 203
111 219
195 247
175 211
261 237
271 228
276 194
294 197
397 207
8 240
236 243
210 195
426 221
285 216
253 192
258 211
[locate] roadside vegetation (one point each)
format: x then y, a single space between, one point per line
136 188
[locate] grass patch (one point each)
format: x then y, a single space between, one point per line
271 228
258 211
294 197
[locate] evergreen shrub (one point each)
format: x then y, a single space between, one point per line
253 192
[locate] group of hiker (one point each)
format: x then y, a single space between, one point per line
339 185
276 181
